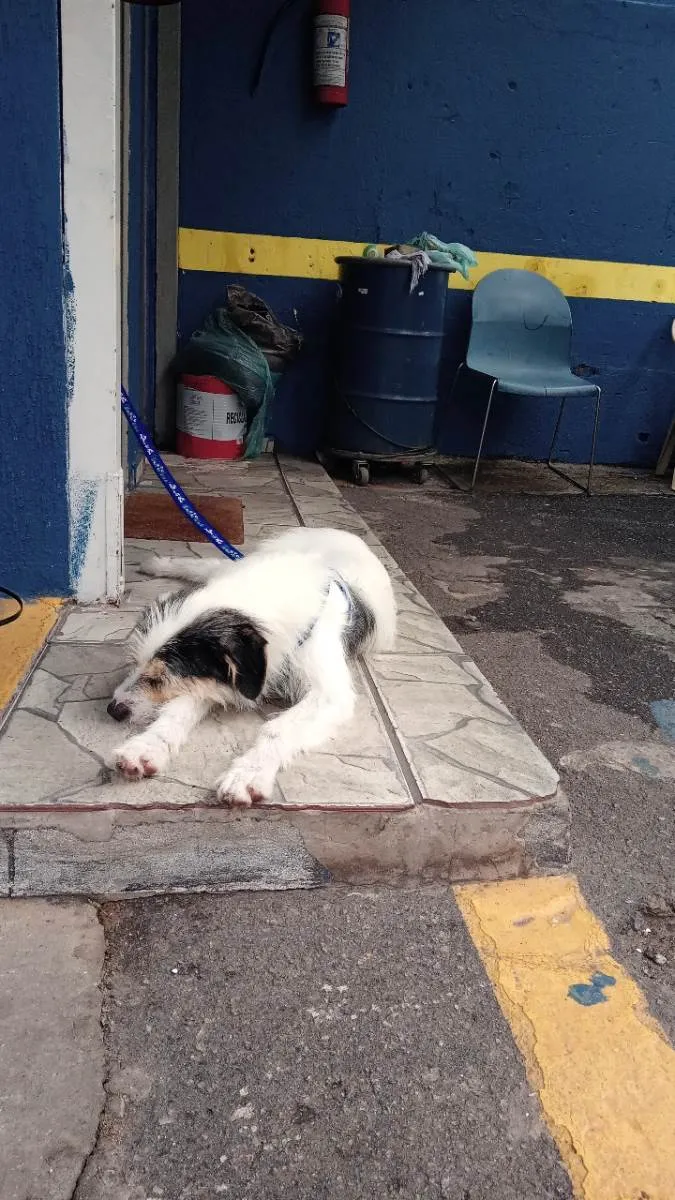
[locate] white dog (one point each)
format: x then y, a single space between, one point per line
278 625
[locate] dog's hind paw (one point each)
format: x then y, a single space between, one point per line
244 785
158 566
141 757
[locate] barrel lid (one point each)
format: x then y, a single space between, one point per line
388 262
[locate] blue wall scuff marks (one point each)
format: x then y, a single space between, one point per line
541 129
33 419
84 503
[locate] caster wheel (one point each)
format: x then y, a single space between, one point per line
361 473
420 474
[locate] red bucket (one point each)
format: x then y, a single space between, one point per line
210 419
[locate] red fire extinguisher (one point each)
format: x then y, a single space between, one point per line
331 51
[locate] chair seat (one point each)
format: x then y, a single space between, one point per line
554 380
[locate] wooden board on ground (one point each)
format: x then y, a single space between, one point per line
156 515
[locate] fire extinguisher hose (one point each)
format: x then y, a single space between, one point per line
172 486
275 20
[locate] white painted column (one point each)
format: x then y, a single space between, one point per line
91 99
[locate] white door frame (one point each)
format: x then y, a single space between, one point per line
91 108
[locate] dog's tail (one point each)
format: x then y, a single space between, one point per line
192 570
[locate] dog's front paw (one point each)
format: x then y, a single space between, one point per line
245 783
141 757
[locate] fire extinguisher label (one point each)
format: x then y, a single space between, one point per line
331 33
211 415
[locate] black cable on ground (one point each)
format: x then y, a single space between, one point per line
15 615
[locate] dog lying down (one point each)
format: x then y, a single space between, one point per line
280 626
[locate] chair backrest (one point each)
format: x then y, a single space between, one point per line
518 319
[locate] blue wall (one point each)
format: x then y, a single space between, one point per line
33 436
544 128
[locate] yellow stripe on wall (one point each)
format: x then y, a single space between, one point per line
603 1069
314 258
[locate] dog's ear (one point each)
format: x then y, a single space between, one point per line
246 654
220 646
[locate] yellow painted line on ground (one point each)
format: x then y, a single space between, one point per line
605 1074
21 641
314 258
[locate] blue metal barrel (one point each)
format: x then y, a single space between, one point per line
388 356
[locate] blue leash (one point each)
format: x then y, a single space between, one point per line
173 488
176 492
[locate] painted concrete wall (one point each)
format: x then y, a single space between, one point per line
528 129
33 433
60 476
91 93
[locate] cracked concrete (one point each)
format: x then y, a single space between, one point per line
51 1046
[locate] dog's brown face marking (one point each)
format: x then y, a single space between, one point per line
159 685
155 682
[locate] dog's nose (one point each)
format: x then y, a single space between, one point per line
118 710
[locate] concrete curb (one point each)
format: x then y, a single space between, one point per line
114 855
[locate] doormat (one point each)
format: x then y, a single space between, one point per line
154 515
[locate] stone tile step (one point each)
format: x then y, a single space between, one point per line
432 777
461 743
55 746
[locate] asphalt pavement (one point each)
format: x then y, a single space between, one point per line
347 1043
567 603
300 1046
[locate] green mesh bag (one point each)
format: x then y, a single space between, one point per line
234 345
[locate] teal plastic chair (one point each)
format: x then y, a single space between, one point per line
521 332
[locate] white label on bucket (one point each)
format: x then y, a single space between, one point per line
212 415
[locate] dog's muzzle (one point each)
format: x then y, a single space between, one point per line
118 710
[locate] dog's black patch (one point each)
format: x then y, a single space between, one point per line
360 626
221 645
161 608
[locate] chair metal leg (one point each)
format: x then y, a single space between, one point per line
458 372
561 410
594 440
482 435
453 386
553 466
